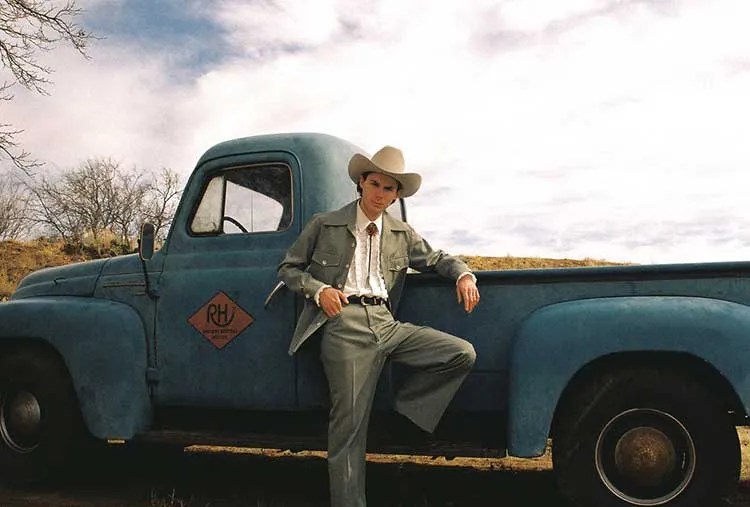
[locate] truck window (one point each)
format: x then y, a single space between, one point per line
397 210
246 200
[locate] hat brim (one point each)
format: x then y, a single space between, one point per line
359 164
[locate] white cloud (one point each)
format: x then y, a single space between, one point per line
609 122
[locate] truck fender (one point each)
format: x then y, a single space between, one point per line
103 346
556 341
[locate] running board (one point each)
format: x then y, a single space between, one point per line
297 443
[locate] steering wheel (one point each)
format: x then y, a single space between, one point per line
233 221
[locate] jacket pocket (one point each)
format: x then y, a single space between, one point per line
324 266
326 259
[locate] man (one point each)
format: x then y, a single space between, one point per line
351 264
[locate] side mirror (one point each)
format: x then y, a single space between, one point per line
146 241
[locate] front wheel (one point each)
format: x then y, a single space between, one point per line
646 438
39 417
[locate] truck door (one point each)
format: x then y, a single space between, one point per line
215 343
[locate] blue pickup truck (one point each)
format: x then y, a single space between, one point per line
637 374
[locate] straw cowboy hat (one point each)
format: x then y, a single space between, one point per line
389 161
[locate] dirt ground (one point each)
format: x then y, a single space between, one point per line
214 477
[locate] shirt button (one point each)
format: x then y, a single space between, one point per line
325 262
339 286
353 245
347 266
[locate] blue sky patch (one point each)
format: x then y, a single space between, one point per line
171 26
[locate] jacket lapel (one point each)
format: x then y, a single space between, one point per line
346 216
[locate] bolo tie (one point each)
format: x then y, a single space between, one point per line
372 230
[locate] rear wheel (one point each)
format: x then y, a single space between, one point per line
646 438
39 417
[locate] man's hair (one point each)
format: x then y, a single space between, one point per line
365 175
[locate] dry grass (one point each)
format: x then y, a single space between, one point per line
19 258
478 263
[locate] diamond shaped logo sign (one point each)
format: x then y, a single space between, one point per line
220 320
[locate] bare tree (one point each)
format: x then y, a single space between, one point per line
128 205
164 196
27 27
14 205
55 209
99 198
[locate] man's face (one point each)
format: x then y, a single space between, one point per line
378 192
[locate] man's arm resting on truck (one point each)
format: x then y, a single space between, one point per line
422 257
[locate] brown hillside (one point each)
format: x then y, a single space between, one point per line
495 263
18 258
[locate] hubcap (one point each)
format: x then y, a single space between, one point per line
645 457
20 419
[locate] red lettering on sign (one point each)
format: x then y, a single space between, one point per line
220 320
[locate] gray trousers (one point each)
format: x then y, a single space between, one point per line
354 347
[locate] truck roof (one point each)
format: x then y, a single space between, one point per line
293 141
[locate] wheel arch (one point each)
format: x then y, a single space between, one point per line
564 342
677 362
102 346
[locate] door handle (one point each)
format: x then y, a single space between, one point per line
273 292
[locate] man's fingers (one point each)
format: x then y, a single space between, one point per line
469 295
463 298
332 301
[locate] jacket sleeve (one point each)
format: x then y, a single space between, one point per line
294 268
423 258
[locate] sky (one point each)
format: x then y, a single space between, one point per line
607 129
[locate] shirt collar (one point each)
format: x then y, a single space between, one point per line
363 221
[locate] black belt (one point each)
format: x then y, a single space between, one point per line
368 300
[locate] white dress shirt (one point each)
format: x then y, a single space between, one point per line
365 277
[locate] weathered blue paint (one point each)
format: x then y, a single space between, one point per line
523 375
103 346
77 279
557 340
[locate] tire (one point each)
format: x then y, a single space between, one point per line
642 437
39 417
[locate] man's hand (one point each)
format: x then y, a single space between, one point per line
332 301
467 293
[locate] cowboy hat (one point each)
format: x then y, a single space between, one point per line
389 161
